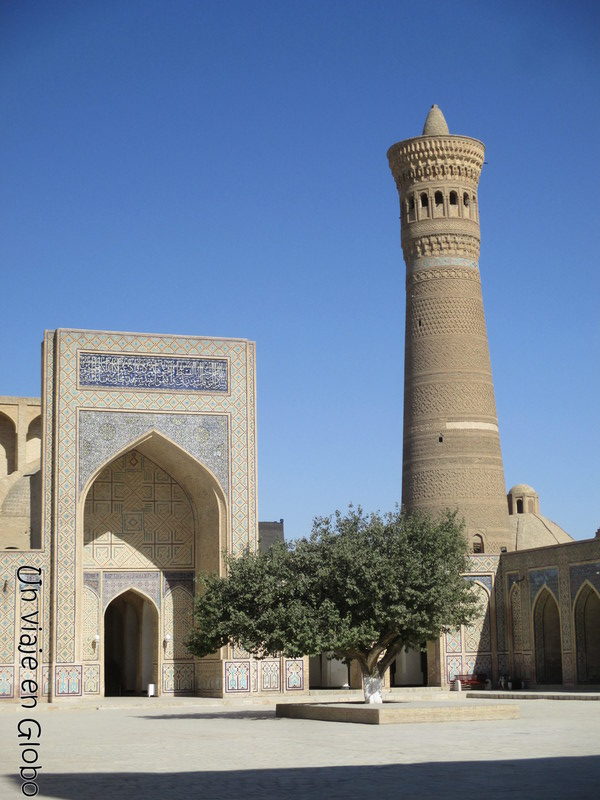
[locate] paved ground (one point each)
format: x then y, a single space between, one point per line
197 749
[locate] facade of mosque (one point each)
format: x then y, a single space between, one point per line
137 471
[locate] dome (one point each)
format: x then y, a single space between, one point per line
522 488
17 500
534 530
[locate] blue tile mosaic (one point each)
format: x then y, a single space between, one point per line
92 579
117 582
103 433
486 580
543 577
582 572
118 370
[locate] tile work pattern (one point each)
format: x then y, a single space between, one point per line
137 516
543 577
114 583
61 379
103 433
584 572
120 370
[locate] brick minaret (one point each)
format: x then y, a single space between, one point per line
452 455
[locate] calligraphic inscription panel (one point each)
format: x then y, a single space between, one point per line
121 370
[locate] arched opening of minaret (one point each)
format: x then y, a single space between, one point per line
424 204
546 626
453 204
130 645
478 546
587 635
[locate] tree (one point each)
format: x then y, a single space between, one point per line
361 587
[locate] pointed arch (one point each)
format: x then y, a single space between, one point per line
547 637
586 615
130 640
198 487
477 635
33 440
8 445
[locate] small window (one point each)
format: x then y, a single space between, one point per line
477 543
453 199
424 201
519 506
440 439
439 199
411 203
466 199
420 323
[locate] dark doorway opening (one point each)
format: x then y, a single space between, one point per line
130 645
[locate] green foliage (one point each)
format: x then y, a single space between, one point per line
362 587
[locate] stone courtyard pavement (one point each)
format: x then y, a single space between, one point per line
200 749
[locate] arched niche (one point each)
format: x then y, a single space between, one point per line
587 634
8 446
546 630
33 441
140 495
131 653
476 636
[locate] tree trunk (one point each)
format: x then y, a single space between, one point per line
373 688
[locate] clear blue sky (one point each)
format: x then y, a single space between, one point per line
219 168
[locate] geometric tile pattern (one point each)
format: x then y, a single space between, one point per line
68 679
110 370
270 675
477 634
237 676
101 434
543 577
294 674
91 625
91 679
117 582
173 579
7 621
584 572
178 617
7 673
178 678
136 515
60 379
453 667
485 579
453 641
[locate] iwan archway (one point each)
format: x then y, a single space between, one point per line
130 645
152 518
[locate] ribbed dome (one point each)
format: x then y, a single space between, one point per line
534 530
17 500
435 123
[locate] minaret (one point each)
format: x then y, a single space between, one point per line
452 455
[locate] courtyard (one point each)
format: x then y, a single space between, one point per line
189 747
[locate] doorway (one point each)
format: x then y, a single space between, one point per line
130 645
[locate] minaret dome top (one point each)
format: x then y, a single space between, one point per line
435 123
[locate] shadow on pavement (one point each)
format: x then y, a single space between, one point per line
214 715
575 778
